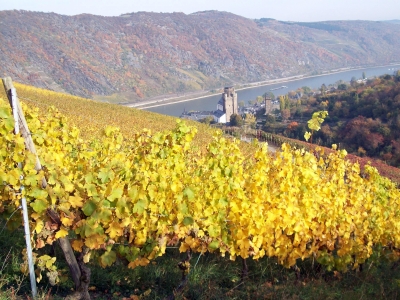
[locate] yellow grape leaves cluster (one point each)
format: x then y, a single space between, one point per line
92 117
132 197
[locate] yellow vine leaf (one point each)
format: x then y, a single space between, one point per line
138 262
86 257
61 233
67 221
77 245
75 201
115 230
39 226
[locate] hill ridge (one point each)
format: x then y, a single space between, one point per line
148 54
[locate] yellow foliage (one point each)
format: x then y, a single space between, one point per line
146 190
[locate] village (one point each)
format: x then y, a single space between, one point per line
229 106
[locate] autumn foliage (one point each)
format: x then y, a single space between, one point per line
131 197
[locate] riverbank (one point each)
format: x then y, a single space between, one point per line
203 94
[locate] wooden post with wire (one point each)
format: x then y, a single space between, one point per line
22 127
79 274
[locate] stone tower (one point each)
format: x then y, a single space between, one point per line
268 105
229 98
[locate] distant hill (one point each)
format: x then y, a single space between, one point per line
141 55
393 21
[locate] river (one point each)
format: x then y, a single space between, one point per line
210 103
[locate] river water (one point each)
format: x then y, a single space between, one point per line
210 103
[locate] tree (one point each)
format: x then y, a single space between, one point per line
285 114
363 132
287 102
250 119
241 103
271 95
292 126
284 102
327 133
363 75
270 119
353 81
281 103
323 88
292 94
306 89
260 99
236 120
260 113
315 123
207 120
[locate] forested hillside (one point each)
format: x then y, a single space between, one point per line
139 55
363 117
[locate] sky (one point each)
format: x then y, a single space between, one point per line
284 10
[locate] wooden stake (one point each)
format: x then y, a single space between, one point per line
12 97
23 128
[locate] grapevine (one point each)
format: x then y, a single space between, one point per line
131 196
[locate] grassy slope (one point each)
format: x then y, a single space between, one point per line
92 117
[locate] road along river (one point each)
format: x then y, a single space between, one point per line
210 102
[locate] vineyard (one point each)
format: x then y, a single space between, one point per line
91 117
125 195
385 170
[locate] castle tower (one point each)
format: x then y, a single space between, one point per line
268 105
229 98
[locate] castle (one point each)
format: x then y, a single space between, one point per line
269 106
226 106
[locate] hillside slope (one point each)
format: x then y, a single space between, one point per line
92 117
140 55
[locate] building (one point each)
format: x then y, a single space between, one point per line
226 106
196 115
269 106
219 116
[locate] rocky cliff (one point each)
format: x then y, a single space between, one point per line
141 55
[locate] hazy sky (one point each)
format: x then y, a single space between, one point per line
286 10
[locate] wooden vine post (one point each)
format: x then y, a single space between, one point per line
19 124
81 280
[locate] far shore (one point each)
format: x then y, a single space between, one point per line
173 100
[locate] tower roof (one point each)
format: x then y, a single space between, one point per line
219 113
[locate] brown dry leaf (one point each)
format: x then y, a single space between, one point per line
337 274
50 240
40 243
